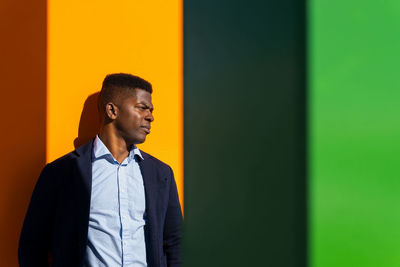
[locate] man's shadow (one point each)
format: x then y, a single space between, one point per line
89 123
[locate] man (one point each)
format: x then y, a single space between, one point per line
107 203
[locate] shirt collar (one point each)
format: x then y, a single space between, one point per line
100 150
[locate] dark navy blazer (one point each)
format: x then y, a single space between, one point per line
56 223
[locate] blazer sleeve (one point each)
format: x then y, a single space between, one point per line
172 226
34 243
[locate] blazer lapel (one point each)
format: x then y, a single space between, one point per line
149 175
83 189
84 164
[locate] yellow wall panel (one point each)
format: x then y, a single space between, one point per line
89 39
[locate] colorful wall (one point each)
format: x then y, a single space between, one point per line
287 124
245 154
354 133
23 125
55 55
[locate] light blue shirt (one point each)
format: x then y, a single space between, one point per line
117 210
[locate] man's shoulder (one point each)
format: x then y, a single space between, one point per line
67 159
154 160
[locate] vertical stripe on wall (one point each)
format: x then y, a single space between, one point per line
244 133
23 122
354 133
89 39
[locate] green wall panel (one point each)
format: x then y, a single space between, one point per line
354 133
244 135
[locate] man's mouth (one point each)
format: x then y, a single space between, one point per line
146 129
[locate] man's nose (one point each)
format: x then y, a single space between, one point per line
149 117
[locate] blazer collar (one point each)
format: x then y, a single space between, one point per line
84 162
86 149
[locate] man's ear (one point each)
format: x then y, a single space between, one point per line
111 111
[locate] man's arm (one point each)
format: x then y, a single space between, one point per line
173 225
35 237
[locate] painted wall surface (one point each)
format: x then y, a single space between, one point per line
23 124
89 39
244 133
55 55
354 133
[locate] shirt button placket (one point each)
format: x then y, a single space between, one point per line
121 208
124 209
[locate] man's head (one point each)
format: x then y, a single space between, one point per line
125 103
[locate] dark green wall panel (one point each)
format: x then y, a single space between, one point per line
244 82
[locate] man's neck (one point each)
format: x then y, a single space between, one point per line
115 144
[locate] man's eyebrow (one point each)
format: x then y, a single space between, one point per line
145 104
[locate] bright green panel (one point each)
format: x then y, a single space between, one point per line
354 133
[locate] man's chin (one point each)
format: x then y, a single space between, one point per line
135 141
140 141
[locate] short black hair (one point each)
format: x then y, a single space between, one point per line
119 85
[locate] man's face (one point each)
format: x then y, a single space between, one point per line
135 116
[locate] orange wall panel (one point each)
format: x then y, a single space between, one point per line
89 39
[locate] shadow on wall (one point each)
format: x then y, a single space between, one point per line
89 124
